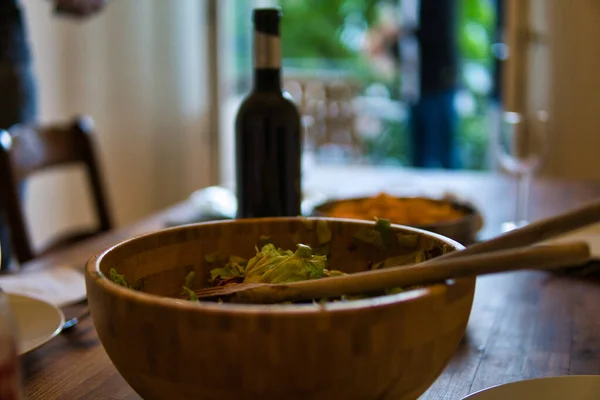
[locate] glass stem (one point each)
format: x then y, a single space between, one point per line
523 186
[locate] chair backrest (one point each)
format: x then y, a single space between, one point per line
329 105
27 149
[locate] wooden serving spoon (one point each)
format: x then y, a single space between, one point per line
535 232
530 234
535 257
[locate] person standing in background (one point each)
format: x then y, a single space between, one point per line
423 44
18 89
433 115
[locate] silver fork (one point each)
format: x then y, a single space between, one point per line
72 323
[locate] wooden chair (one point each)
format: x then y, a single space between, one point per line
27 149
328 104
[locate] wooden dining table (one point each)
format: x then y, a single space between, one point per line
523 325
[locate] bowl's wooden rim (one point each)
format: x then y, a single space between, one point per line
95 277
471 214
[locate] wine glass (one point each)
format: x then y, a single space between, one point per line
521 148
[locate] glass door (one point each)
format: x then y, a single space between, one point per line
355 68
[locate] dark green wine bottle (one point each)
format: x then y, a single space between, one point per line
267 132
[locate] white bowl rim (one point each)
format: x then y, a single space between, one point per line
93 272
525 381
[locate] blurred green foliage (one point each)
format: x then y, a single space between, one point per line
313 28
476 29
318 35
477 24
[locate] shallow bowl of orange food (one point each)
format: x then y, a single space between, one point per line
448 217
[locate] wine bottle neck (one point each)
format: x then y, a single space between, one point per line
267 61
267 80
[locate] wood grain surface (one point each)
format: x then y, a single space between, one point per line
523 325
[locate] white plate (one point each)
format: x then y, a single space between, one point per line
37 321
574 387
60 285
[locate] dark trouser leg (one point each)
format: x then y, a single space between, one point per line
433 124
17 104
448 128
4 243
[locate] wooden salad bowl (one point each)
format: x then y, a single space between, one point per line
384 347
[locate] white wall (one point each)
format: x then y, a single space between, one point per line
574 90
139 70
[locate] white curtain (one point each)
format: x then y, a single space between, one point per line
140 71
